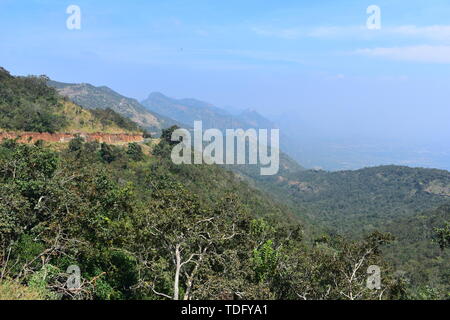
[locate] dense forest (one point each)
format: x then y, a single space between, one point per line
408 203
137 229
360 200
417 251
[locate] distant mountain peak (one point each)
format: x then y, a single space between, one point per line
157 94
249 110
256 119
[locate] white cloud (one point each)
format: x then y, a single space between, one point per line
423 53
302 32
334 32
435 32
286 33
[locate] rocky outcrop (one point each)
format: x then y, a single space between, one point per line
110 138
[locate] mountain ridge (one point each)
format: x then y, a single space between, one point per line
188 110
103 97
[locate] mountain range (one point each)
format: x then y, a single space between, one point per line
189 110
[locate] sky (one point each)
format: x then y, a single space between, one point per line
313 65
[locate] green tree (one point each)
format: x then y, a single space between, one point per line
76 144
134 151
442 235
107 153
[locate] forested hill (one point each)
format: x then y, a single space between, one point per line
409 203
414 251
27 104
121 215
356 201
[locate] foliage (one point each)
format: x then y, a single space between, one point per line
28 104
410 203
164 148
135 152
443 235
108 117
149 229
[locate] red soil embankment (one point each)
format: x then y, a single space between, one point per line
111 138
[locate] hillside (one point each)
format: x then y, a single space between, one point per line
399 200
27 104
122 216
349 202
189 110
359 201
415 253
91 97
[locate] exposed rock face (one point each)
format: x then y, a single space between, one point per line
439 188
111 138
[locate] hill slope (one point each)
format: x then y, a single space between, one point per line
122 217
91 97
398 200
415 253
359 201
189 110
27 104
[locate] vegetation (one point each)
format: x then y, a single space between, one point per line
409 203
362 200
108 117
11 290
28 104
443 235
418 252
139 229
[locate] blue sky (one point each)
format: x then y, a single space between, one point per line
313 63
